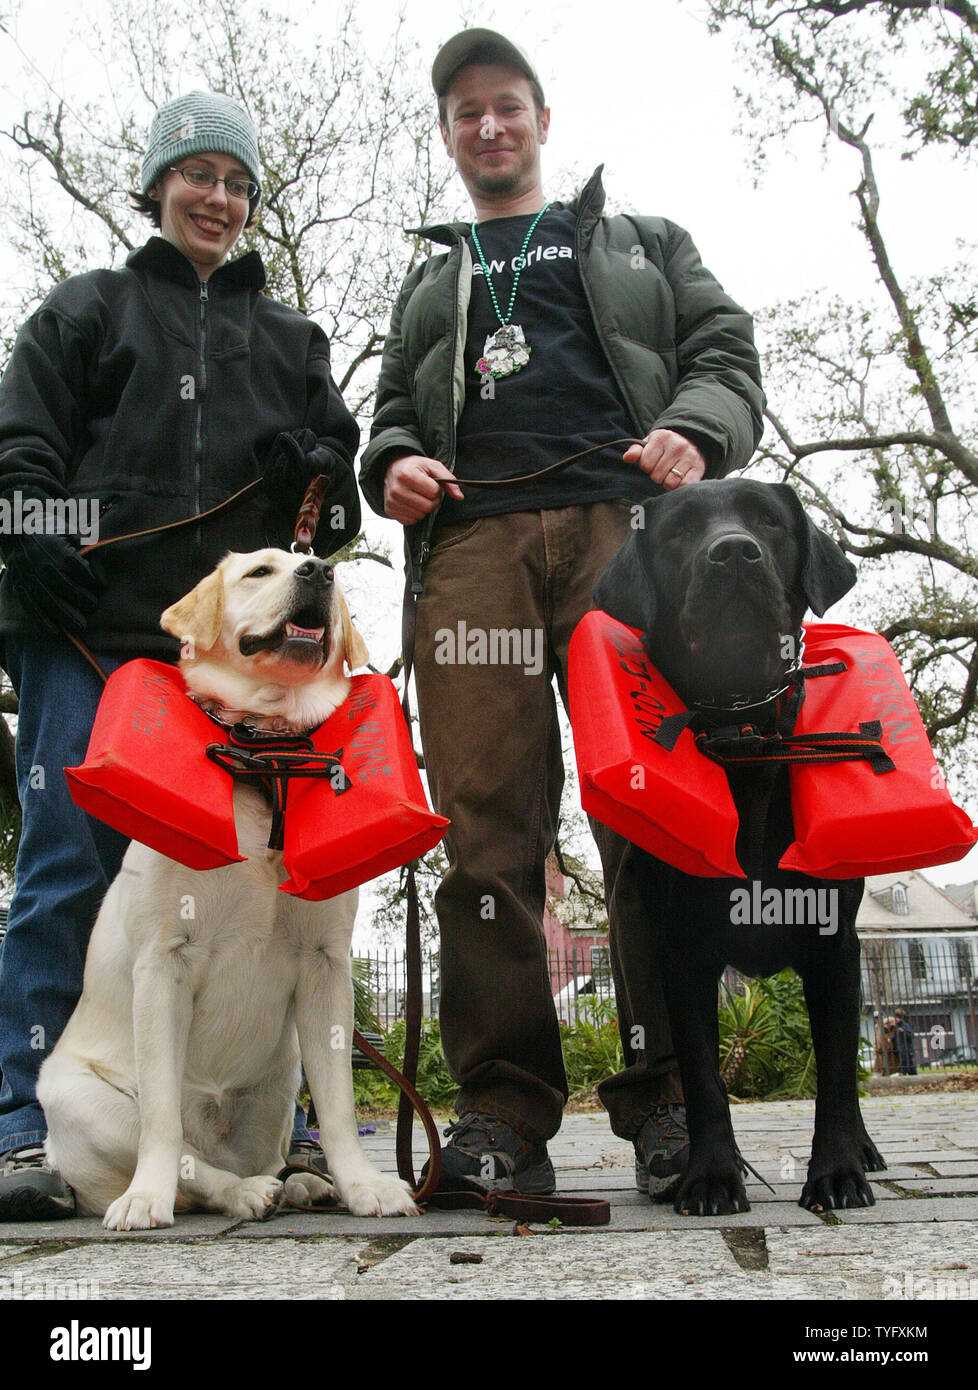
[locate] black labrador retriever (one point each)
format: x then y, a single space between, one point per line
718 580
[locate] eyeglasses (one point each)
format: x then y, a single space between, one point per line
203 178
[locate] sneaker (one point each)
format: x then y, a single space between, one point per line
485 1152
307 1153
661 1150
30 1189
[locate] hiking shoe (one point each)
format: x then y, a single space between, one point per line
30 1189
485 1152
661 1151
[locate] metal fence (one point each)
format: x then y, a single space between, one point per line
934 981
576 976
385 974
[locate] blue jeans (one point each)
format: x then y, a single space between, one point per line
65 863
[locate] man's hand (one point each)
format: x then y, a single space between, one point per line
412 488
668 458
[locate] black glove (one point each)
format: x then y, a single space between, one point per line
295 458
54 584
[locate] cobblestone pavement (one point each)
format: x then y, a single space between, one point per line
918 1244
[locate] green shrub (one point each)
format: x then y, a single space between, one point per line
765 1041
592 1051
434 1081
592 1044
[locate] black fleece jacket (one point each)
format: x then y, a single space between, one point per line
157 396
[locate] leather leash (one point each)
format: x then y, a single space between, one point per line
540 472
152 531
184 521
570 1211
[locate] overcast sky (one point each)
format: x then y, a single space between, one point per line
648 92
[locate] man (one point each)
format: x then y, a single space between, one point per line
136 397
545 329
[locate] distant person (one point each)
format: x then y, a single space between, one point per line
905 1044
887 1057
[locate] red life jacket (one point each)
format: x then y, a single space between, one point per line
849 820
147 774
677 805
383 821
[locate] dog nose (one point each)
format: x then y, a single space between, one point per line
312 567
734 547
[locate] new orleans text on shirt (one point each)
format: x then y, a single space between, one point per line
537 253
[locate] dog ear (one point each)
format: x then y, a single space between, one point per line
826 573
624 590
199 614
354 647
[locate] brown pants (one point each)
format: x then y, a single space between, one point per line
492 751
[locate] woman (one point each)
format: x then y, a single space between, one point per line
137 397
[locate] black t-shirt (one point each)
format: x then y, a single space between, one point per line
563 401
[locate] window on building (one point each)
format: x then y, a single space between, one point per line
918 960
900 905
601 967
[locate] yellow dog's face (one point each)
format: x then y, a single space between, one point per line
267 632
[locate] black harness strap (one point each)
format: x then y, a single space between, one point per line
748 745
271 771
743 743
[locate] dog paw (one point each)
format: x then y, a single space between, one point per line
872 1160
306 1190
718 1193
843 1187
138 1211
253 1199
377 1195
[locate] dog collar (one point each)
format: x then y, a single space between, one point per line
242 719
747 702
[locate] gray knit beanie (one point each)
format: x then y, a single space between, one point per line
201 123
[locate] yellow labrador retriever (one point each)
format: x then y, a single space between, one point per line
173 1085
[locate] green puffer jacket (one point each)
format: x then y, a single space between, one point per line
680 349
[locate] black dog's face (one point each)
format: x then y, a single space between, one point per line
718 580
